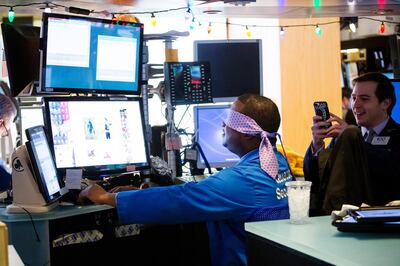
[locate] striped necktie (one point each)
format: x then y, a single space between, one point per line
370 136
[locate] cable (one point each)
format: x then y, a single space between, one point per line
184 113
379 20
284 153
33 223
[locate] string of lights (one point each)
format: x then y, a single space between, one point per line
189 16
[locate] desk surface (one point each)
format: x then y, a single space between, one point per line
56 213
321 240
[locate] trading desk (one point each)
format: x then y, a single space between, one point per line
35 249
175 244
318 243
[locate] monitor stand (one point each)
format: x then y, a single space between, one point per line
20 208
26 193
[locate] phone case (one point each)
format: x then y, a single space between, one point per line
321 109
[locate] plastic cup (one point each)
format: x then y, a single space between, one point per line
299 201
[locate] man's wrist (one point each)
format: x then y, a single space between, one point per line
109 199
315 149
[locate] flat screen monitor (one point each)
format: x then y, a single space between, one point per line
82 54
208 127
236 66
187 82
21 48
396 108
30 116
97 134
47 178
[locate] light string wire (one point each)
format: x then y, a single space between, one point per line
189 10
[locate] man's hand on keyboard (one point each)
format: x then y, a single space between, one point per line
98 195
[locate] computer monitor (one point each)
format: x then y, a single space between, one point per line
236 66
396 108
21 48
83 54
187 83
208 127
46 176
30 116
98 134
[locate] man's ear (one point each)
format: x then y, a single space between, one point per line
386 103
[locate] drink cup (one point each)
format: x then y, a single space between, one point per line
299 201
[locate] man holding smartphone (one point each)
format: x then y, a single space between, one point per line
361 164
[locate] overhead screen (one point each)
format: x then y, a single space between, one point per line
208 127
396 108
97 134
82 54
187 82
21 48
236 66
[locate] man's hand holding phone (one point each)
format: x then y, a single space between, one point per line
323 127
337 127
319 132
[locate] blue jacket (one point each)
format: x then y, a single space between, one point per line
225 201
5 177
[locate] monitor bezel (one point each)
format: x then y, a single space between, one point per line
196 43
43 52
34 160
98 170
200 164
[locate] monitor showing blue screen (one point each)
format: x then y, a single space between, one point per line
82 54
396 108
98 134
208 126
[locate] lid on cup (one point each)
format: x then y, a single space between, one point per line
298 184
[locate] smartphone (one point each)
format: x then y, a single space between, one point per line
321 109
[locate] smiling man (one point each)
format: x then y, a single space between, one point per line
361 164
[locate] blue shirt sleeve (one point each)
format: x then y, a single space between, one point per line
211 199
233 193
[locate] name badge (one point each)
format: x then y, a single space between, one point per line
380 140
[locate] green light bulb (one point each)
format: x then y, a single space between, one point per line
318 31
11 15
317 4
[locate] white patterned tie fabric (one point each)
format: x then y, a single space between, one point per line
247 125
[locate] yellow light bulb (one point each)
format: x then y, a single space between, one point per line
248 32
153 20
